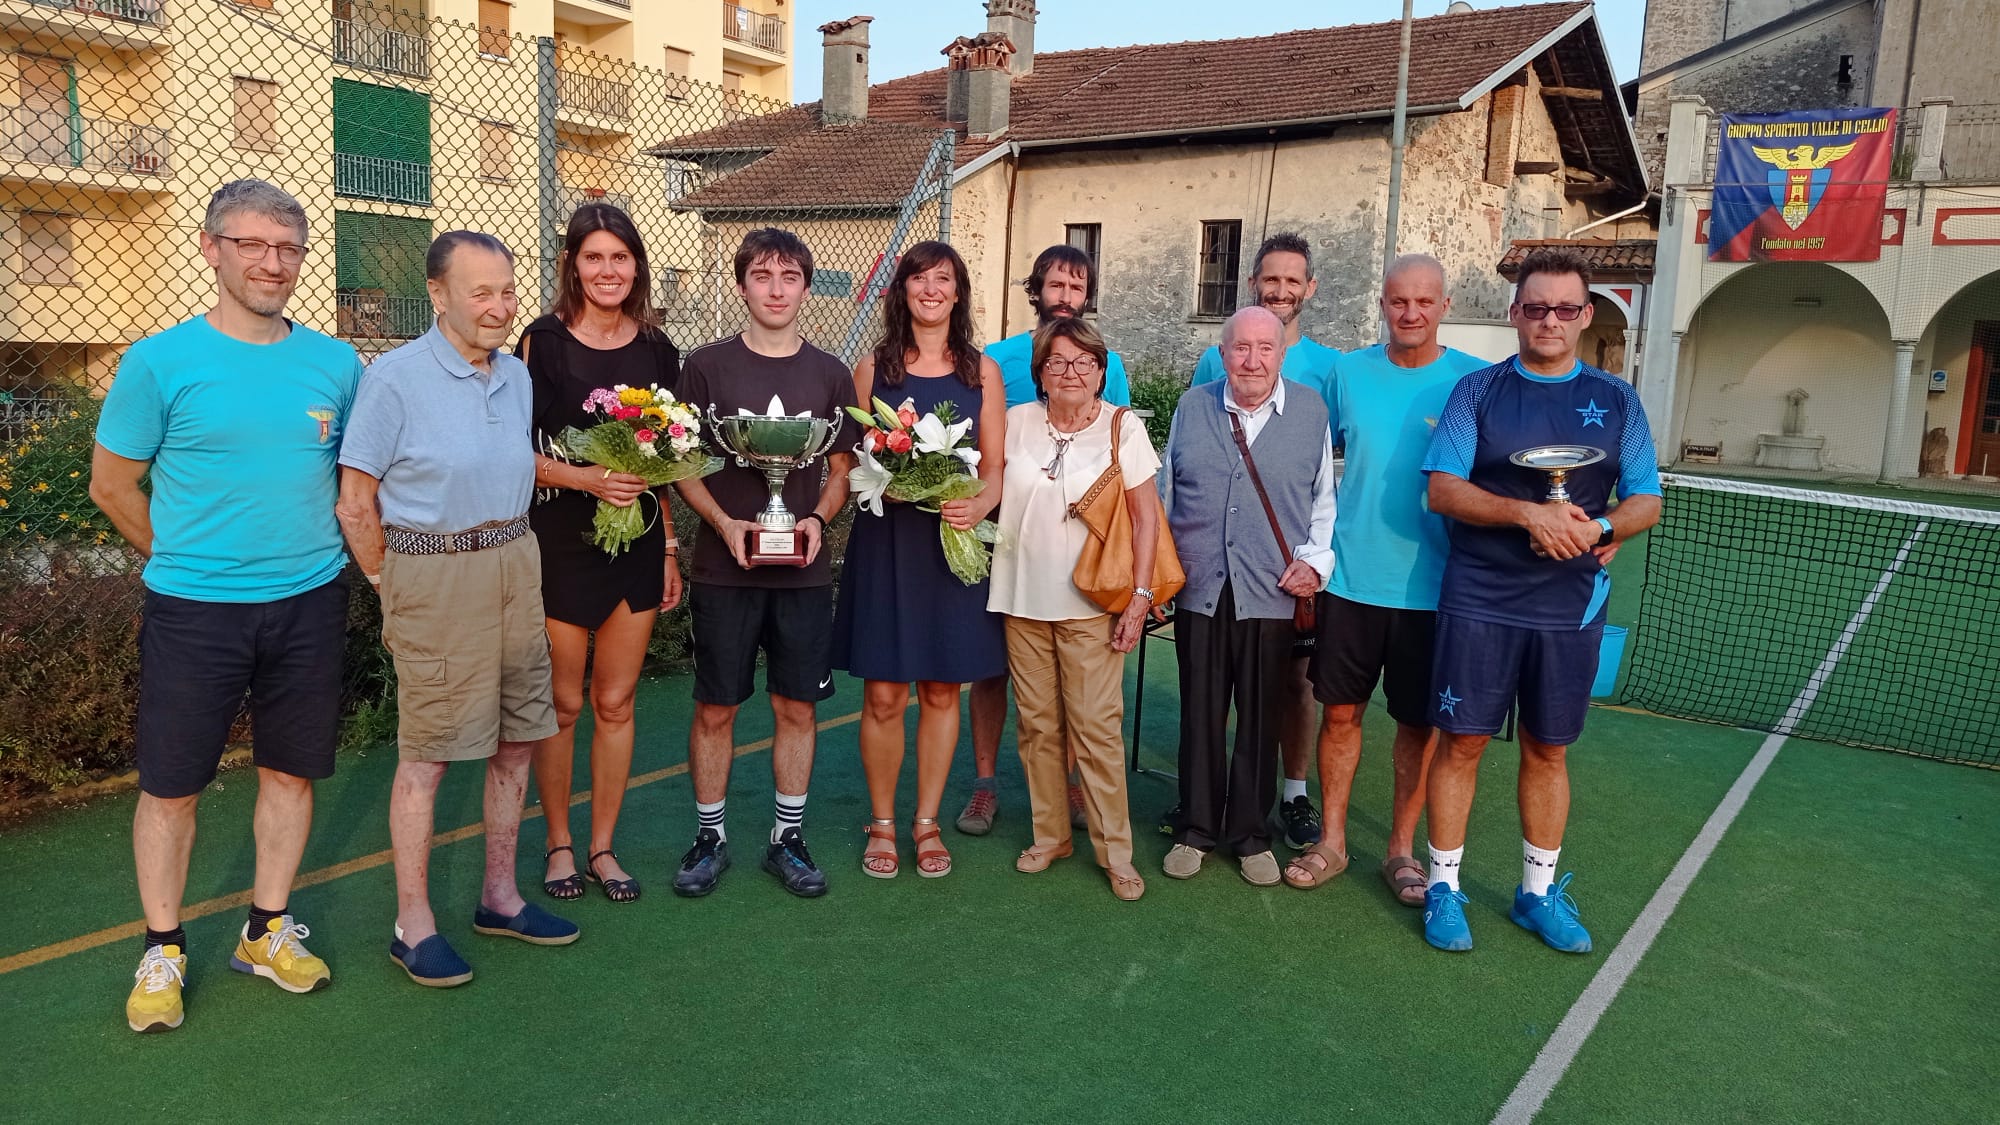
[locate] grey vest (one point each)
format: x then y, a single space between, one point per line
1218 523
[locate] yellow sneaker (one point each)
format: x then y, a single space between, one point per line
155 1003
277 956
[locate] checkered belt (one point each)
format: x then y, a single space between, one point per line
496 533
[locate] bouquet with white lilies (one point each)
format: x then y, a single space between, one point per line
923 461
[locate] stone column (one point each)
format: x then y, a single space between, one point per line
1899 456
1929 163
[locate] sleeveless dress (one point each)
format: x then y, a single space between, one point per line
903 616
581 585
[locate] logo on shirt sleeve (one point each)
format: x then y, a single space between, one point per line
1593 415
324 415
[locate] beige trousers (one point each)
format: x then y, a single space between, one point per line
1069 690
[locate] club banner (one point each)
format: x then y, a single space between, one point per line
1801 187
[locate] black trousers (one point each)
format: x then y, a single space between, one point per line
1226 796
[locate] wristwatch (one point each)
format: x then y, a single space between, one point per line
1604 540
1143 592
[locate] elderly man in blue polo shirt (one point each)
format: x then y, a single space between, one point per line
437 469
1248 484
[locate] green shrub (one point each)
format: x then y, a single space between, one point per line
1157 386
45 478
69 676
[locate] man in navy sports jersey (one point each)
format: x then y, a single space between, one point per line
1521 610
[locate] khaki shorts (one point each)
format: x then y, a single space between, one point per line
471 648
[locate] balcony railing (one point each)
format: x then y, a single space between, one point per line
97 144
599 97
376 46
377 177
151 13
570 198
741 25
370 314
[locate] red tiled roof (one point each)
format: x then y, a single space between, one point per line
847 164
1608 258
1292 78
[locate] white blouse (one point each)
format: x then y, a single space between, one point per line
1039 544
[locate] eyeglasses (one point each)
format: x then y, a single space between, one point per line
1081 365
254 249
1541 312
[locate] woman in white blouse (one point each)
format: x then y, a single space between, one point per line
1066 655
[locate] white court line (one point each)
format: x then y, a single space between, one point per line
1561 1049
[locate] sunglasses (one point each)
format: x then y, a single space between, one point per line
1541 312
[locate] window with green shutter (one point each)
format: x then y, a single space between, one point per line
378 268
381 143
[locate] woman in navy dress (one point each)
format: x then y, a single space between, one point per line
602 332
903 617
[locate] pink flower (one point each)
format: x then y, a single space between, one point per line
677 430
871 440
899 442
907 415
644 436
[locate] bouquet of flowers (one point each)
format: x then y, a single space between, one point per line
923 461
646 432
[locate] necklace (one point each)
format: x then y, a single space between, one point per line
1062 442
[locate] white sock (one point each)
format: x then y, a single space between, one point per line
791 814
1295 787
1538 868
710 816
1444 865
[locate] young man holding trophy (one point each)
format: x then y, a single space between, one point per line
1521 606
774 405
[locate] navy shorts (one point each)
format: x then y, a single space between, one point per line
792 625
1482 669
197 662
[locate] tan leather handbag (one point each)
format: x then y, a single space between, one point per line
1104 570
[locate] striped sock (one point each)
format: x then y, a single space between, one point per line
791 814
1538 868
710 816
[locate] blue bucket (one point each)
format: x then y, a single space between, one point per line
1610 654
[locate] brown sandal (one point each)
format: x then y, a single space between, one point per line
1408 889
922 831
880 865
1306 876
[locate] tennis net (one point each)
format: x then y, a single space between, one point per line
1854 619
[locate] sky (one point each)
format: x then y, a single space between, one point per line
908 35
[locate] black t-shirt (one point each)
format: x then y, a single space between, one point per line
729 376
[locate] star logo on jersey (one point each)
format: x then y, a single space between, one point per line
1447 702
1593 414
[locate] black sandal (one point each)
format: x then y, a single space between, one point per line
569 886
617 890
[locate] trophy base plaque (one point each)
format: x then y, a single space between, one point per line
777 548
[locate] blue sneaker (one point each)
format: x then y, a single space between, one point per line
533 925
789 860
431 962
1553 916
1444 919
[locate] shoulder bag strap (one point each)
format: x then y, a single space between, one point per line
1243 447
1112 472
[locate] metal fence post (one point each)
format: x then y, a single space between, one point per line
548 182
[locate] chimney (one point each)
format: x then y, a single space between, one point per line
988 83
1014 19
957 78
844 77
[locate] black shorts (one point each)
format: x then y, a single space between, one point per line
793 626
197 661
1359 642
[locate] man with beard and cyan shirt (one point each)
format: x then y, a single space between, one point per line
1281 275
1061 285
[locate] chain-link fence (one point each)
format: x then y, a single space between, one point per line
123 116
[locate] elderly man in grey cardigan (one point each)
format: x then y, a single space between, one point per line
1233 621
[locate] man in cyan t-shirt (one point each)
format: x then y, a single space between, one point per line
1281 277
237 414
1379 612
739 609
1521 608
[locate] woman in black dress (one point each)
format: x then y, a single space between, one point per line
602 333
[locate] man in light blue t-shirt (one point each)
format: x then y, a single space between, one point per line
237 415
1281 276
1062 284
1378 615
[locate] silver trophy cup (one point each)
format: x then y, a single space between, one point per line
775 445
1558 461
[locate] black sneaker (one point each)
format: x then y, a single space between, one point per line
1170 821
789 860
1301 820
703 865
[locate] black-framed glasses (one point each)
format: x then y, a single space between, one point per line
1541 312
1082 365
254 249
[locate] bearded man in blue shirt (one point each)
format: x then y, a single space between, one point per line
1521 609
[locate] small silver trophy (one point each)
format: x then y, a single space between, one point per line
1558 461
774 443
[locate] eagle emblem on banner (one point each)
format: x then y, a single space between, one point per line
1800 177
